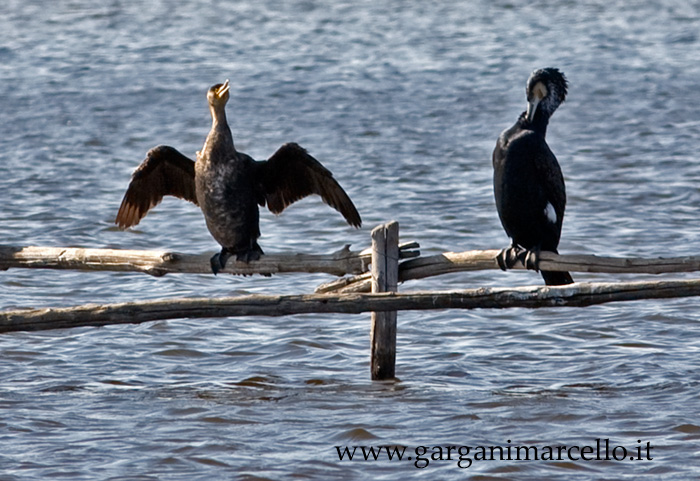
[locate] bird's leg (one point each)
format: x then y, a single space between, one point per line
508 257
532 259
218 261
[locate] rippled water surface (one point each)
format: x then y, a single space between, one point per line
403 102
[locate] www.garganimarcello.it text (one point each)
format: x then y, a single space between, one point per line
465 456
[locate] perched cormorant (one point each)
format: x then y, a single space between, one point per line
228 185
527 180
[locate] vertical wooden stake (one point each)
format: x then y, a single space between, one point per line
385 278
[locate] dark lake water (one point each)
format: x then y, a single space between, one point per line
403 102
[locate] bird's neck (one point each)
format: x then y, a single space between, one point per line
218 116
219 126
219 143
539 122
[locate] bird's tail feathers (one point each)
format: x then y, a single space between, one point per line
555 278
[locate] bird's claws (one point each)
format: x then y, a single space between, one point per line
532 259
508 257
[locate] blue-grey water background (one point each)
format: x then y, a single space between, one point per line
403 101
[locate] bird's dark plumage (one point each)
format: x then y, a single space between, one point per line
528 182
165 171
229 185
292 174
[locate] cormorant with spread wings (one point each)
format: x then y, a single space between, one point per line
229 185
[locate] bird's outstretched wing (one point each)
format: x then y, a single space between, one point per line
165 171
292 174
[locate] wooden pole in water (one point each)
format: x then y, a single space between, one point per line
385 277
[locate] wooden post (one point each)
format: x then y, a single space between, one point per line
385 277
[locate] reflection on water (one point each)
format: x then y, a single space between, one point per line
404 104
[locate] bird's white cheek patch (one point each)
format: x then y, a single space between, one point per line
550 213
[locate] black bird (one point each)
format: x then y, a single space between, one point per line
229 185
527 180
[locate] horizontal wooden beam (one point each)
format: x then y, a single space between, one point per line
480 260
159 263
474 260
574 295
340 263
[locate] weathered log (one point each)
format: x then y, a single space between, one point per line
480 260
158 263
450 262
574 295
347 284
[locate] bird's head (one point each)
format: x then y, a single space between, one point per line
217 95
546 89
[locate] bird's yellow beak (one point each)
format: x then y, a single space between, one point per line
223 89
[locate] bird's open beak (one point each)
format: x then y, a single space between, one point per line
223 89
532 108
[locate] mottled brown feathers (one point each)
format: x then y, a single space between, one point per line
292 174
165 171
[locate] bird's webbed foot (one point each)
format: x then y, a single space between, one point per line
218 261
248 255
532 259
509 256
252 254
